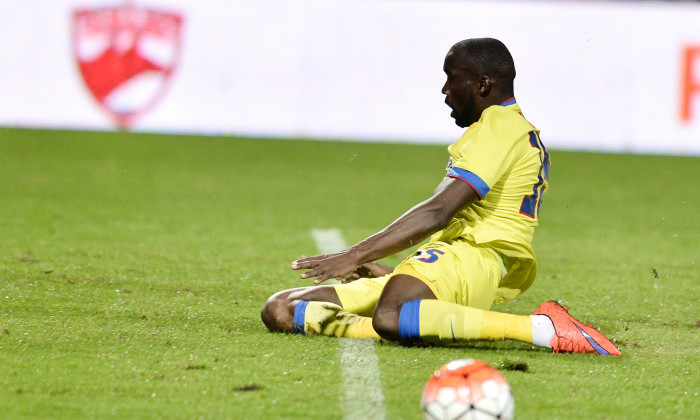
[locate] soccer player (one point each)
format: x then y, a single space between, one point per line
480 220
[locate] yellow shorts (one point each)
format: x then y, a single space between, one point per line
458 272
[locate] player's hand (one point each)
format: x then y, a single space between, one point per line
324 267
367 270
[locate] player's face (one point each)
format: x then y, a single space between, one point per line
459 90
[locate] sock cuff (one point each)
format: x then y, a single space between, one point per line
299 317
409 322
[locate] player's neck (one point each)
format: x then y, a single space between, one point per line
500 98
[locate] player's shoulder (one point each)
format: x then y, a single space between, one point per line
506 122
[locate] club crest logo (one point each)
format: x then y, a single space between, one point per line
126 56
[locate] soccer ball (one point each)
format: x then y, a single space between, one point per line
467 389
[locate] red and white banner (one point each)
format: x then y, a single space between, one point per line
611 76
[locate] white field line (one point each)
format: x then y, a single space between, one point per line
363 397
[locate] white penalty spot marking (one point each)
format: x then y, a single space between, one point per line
363 397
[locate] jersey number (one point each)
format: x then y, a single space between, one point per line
531 203
431 257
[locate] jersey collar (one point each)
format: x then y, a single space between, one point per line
509 102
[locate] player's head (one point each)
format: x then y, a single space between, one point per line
480 73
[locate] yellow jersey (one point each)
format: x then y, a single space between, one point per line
502 158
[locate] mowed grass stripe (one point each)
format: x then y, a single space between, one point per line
363 397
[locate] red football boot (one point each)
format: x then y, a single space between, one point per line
571 336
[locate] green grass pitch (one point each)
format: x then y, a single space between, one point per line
134 268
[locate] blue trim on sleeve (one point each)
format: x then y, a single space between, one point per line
472 179
409 322
299 317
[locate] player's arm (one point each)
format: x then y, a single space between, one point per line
411 228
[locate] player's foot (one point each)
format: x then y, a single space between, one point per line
571 336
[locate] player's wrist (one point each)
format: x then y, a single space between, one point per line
359 254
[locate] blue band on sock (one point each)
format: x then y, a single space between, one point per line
299 316
409 322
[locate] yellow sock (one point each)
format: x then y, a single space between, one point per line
360 327
324 318
449 322
502 326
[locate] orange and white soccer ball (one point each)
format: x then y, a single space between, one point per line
467 389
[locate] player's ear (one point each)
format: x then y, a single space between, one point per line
484 85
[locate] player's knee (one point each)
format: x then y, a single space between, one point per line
276 313
386 324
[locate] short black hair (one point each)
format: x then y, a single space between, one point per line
487 55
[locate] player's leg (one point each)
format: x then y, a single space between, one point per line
464 316
351 319
551 326
436 321
341 310
278 312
